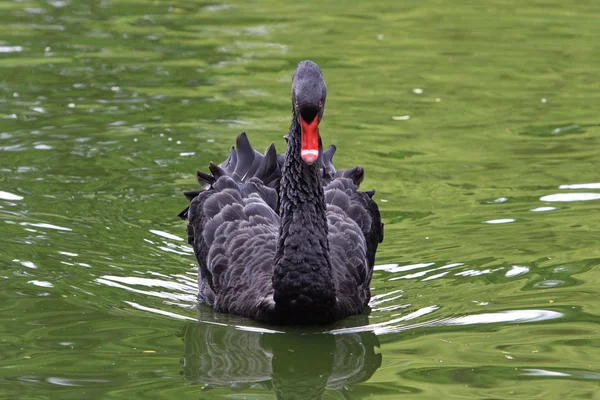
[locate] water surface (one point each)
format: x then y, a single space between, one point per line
477 124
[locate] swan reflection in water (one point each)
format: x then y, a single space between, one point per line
297 364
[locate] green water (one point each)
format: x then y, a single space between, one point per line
477 123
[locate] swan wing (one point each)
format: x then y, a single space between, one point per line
355 230
348 182
233 227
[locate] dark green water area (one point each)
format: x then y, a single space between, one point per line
477 123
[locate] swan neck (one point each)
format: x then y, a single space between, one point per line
302 278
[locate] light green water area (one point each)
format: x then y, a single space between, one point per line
477 123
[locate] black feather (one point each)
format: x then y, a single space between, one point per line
216 171
205 180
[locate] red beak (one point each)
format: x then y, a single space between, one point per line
310 140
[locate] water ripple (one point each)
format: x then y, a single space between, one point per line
180 291
45 225
581 186
499 221
568 197
516 270
543 209
511 316
9 196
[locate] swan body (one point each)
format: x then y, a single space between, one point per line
285 239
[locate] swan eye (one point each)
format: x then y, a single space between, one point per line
320 104
296 105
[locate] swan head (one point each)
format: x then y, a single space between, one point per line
308 103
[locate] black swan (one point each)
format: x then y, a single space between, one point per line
285 239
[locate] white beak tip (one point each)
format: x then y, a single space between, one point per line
309 156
